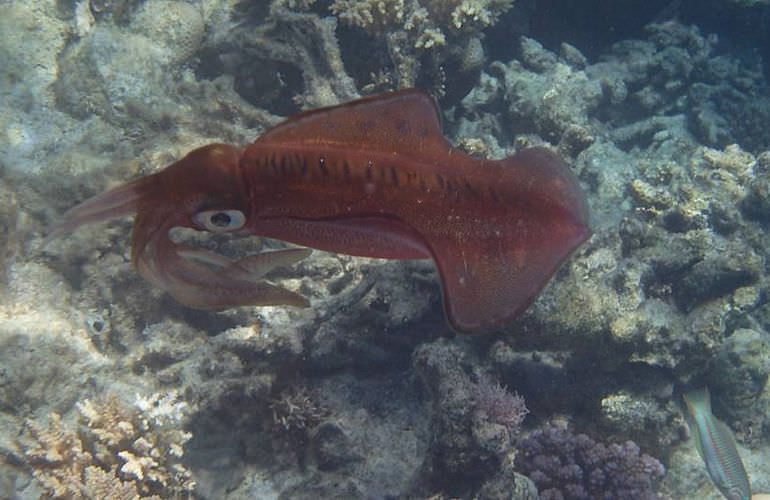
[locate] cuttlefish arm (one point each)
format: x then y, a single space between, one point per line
119 202
253 267
194 277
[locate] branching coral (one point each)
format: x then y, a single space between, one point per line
376 16
415 27
296 410
477 13
58 459
567 466
66 470
119 452
453 16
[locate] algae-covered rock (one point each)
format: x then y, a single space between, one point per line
740 372
756 205
177 25
716 276
8 223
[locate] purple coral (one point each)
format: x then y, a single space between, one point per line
567 466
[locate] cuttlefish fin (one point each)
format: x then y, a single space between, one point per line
490 278
406 121
484 290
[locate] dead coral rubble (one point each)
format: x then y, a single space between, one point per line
307 42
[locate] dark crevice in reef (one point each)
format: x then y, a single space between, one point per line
746 27
594 25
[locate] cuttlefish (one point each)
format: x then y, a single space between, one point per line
374 177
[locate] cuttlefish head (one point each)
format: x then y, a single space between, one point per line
204 190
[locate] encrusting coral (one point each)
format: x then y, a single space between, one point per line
118 451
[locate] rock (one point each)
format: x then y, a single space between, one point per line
177 25
740 372
717 276
756 205
331 447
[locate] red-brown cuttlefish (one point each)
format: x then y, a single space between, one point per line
373 177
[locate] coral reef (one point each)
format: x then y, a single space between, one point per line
298 39
568 466
119 452
666 129
425 39
475 423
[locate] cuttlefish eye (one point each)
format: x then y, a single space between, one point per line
220 221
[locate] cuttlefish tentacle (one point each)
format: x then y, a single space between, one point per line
118 202
194 277
253 267
205 280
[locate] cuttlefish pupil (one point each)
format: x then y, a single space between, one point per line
220 219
